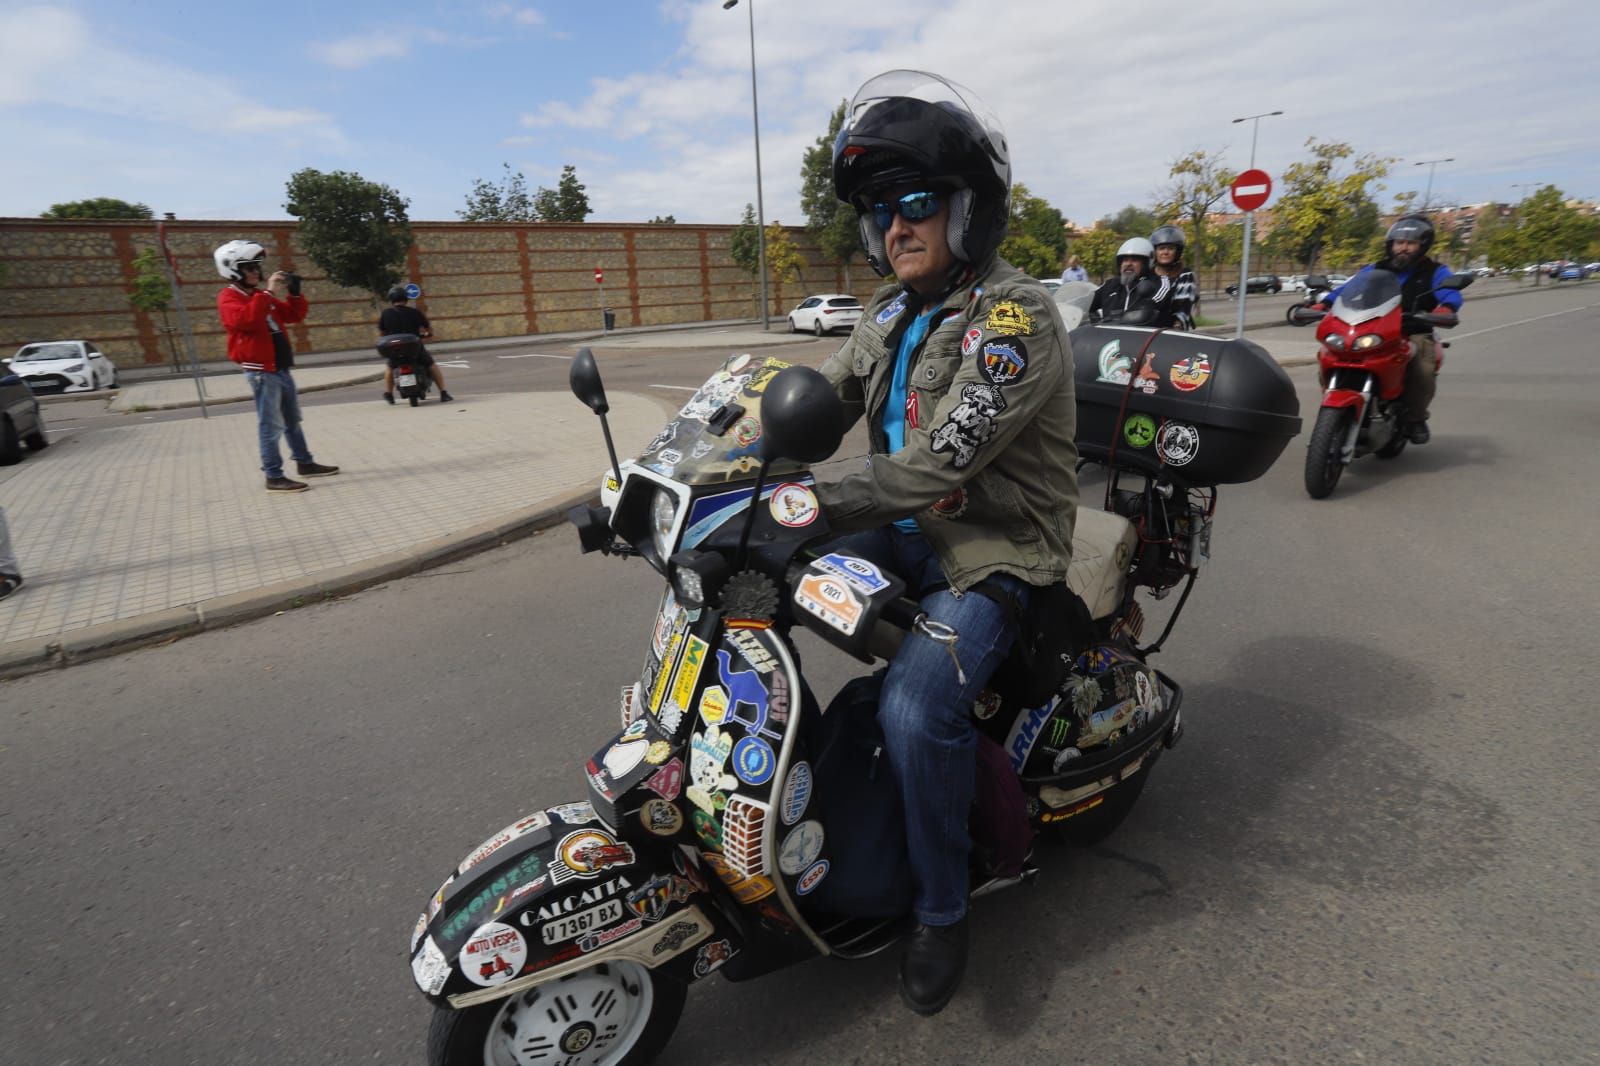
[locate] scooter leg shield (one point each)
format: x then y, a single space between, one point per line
553 893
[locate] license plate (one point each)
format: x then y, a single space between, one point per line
575 925
407 380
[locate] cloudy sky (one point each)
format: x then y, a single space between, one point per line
205 110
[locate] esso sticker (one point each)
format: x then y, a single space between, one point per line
493 955
794 505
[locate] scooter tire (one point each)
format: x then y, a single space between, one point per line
1289 314
461 1037
1091 827
1323 463
413 400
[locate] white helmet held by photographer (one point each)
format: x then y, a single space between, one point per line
1137 246
233 255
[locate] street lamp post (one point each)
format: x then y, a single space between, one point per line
1249 216
755 118
1431 164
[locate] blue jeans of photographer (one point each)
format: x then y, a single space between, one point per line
277 415
926 714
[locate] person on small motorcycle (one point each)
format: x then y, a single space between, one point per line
964 374
1178 298
401 317
1405 249
1135 287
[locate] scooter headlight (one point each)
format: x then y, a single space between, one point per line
663 510
1335 341
1365 341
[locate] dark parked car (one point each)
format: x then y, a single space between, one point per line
20 420
1570 272
1260 283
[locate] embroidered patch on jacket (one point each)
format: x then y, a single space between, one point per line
1004 361
970 424
1008 319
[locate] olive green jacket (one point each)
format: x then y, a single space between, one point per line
989 467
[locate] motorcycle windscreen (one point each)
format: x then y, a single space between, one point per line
716 436
1370 294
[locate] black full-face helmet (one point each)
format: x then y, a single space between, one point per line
911 127
397 294
1409 228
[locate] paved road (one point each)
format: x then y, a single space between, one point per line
1377 842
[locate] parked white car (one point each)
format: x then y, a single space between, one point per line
825 313
63 366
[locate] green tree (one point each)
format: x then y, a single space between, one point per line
1098 251
99 207
1327 211
567 202
1544 228
354 229
152 292
1199 183
1131 221
829 220
745 251
1033 218
664 220
784 261
504 201
1030 256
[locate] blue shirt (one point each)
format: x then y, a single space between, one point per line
1450 298
894 409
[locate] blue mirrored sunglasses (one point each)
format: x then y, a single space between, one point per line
913 207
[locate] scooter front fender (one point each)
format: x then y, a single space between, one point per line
553 893
1345 398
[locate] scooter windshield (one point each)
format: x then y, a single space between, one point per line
708 441
1073 299
1370 294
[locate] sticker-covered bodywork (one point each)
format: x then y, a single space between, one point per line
553 893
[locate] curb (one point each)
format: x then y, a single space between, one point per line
35 655
376 375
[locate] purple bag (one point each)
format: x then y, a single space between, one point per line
999 825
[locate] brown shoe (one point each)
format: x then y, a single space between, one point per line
283 484
315 470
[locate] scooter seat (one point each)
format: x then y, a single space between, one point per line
1102 547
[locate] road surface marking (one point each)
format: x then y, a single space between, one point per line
1519 322
535 355
679 388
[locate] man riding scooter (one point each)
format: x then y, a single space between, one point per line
1406 255
400 317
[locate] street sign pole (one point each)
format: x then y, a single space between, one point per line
600 282
1250 190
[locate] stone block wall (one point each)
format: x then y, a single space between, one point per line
71 279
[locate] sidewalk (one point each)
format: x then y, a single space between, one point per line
143 532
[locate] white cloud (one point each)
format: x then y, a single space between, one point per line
522 16
359 50
37 45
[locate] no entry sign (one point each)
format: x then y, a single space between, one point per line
599 276
1251 189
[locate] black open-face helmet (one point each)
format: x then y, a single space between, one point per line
397 294
1168 235
911 127
1409 228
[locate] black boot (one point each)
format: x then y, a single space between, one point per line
931 969
1417 433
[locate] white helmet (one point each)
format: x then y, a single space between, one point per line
236 253
1137 246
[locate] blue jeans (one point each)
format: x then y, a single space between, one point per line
926 715
277 414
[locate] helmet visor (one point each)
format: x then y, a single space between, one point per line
929 88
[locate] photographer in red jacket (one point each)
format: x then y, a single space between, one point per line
255 319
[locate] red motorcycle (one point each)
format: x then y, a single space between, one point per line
1366 345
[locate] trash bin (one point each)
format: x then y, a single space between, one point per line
611 319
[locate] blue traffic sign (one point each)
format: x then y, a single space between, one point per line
413 291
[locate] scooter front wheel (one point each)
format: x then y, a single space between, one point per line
615 1013
1325 453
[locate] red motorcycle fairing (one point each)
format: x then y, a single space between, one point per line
555 892
1344 398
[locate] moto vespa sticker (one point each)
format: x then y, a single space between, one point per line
1190 372
493 955
800 848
